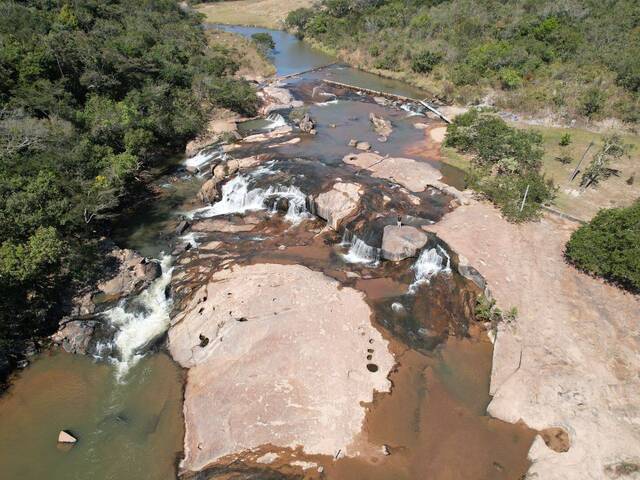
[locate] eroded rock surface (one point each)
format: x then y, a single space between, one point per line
284 362
570 360
277 98
400 242
134 273
338 203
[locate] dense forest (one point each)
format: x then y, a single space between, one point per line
577 58
91 93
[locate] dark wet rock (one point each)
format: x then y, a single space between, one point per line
182 227
75 336
181 248
470 273
307 125
400 242
209 192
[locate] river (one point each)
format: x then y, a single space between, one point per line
125 403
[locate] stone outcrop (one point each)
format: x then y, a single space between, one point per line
380 125
209 192
277 98
134 273
221 122
263 137
307 125
74 336
570 360
285 363
400 242
338 203
65 437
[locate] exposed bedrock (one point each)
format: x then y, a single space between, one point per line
569 363
400 242
338 203
277 354
411 174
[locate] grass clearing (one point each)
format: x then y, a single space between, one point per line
612 192
256 13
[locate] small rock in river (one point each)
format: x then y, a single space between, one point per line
66 437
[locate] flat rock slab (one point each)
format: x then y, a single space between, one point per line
570 360
414 175
400 242
338 203
284 362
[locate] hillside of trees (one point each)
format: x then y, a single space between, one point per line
575 58
91 93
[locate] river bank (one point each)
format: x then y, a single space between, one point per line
301 277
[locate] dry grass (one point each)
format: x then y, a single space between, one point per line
259 13
252 64
612 192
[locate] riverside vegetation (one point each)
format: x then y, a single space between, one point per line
91 94
575 58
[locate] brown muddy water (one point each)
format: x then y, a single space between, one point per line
433 425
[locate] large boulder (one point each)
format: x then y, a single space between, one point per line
277 98
338 203
307 125
263 376
209 192
400 242
380 125
74 336
133 274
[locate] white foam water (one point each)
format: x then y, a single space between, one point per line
359 250
429 263
410 109
237 197
137 329
202 158
275 121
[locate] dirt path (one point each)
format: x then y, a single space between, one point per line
570 360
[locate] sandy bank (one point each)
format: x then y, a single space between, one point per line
570 360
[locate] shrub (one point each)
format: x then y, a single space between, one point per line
565 140
264 41
510 78
424 61
609 246
592 102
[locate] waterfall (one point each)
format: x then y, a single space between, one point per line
429 264
275 121
141 322
203 157
237 197
411 109
359 251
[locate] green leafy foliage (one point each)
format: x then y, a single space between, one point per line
264 41
543 52
90 93
609 246
506 163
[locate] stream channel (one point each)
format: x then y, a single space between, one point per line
124 403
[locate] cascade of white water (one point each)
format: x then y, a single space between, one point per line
411 109
429 264
202 158
359 251
137 327
238 197
275 121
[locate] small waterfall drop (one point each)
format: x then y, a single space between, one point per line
275 120
429 263
238 197
203 157
359 250
138 324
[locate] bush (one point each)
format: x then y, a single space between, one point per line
565 140
264 41
609 246
424 61
510 78
592 102
506 163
